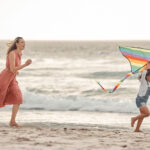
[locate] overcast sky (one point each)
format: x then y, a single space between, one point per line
75 19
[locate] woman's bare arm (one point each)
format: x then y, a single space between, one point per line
13 68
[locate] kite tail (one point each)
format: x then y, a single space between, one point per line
118 84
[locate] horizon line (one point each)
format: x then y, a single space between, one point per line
28 39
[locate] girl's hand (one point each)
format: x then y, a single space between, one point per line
28 62
148 65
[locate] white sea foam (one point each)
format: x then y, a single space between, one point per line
41 102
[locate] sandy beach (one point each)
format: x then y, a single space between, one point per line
72 138
68 135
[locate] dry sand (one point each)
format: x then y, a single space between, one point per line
71 137
45 130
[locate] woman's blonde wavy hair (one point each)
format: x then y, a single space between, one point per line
13 45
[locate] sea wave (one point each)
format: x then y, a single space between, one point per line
34 101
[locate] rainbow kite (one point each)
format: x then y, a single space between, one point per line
137 58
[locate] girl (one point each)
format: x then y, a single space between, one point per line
9 90
142 98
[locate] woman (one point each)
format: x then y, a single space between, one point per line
10 93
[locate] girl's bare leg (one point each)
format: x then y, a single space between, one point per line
144 113
134 119
13 116
138 125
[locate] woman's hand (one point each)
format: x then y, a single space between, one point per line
17 73
28 62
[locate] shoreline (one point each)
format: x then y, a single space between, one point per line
85 118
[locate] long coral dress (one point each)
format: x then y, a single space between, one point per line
10 92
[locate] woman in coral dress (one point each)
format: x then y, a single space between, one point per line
10 93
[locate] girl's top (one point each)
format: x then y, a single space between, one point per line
144 84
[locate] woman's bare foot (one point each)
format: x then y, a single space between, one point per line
138 131
14 124
133 121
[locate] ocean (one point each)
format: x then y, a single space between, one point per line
61 77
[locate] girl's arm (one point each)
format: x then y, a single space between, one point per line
13 68
143 75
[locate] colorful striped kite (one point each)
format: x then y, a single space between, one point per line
138 59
